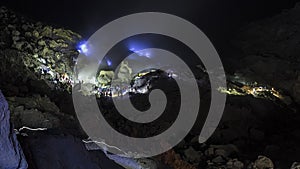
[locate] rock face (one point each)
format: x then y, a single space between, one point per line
125 72
34 112
281 32
34 57
263 163
36 63
295 165
13 157
271 52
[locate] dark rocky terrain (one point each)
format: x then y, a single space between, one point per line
257 131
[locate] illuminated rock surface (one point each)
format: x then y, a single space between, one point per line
11 156
35 56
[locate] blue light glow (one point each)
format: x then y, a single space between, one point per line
83 48
140 48
143 53
108 62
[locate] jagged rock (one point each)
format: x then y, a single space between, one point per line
147 163
41 103
218 160
11 154
105 77
28 103
225 150
36 34
221 152
47 31
124 73
281 33
271 47
35 119
210 151
31 49
234 164
192 155
34 112
15 111
42 43
174 160
263 162
250 165
46 105
295 165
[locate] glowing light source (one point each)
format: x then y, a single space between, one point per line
83 48
108 62
142 53
147 55
139 53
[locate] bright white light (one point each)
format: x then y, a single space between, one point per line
147 55
83 48
108 62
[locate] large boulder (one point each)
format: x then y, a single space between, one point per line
11 154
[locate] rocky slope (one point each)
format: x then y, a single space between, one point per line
271 52
36 63
34 57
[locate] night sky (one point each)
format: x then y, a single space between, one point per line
214 17
218 19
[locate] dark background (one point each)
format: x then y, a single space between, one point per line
217 18
220 20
